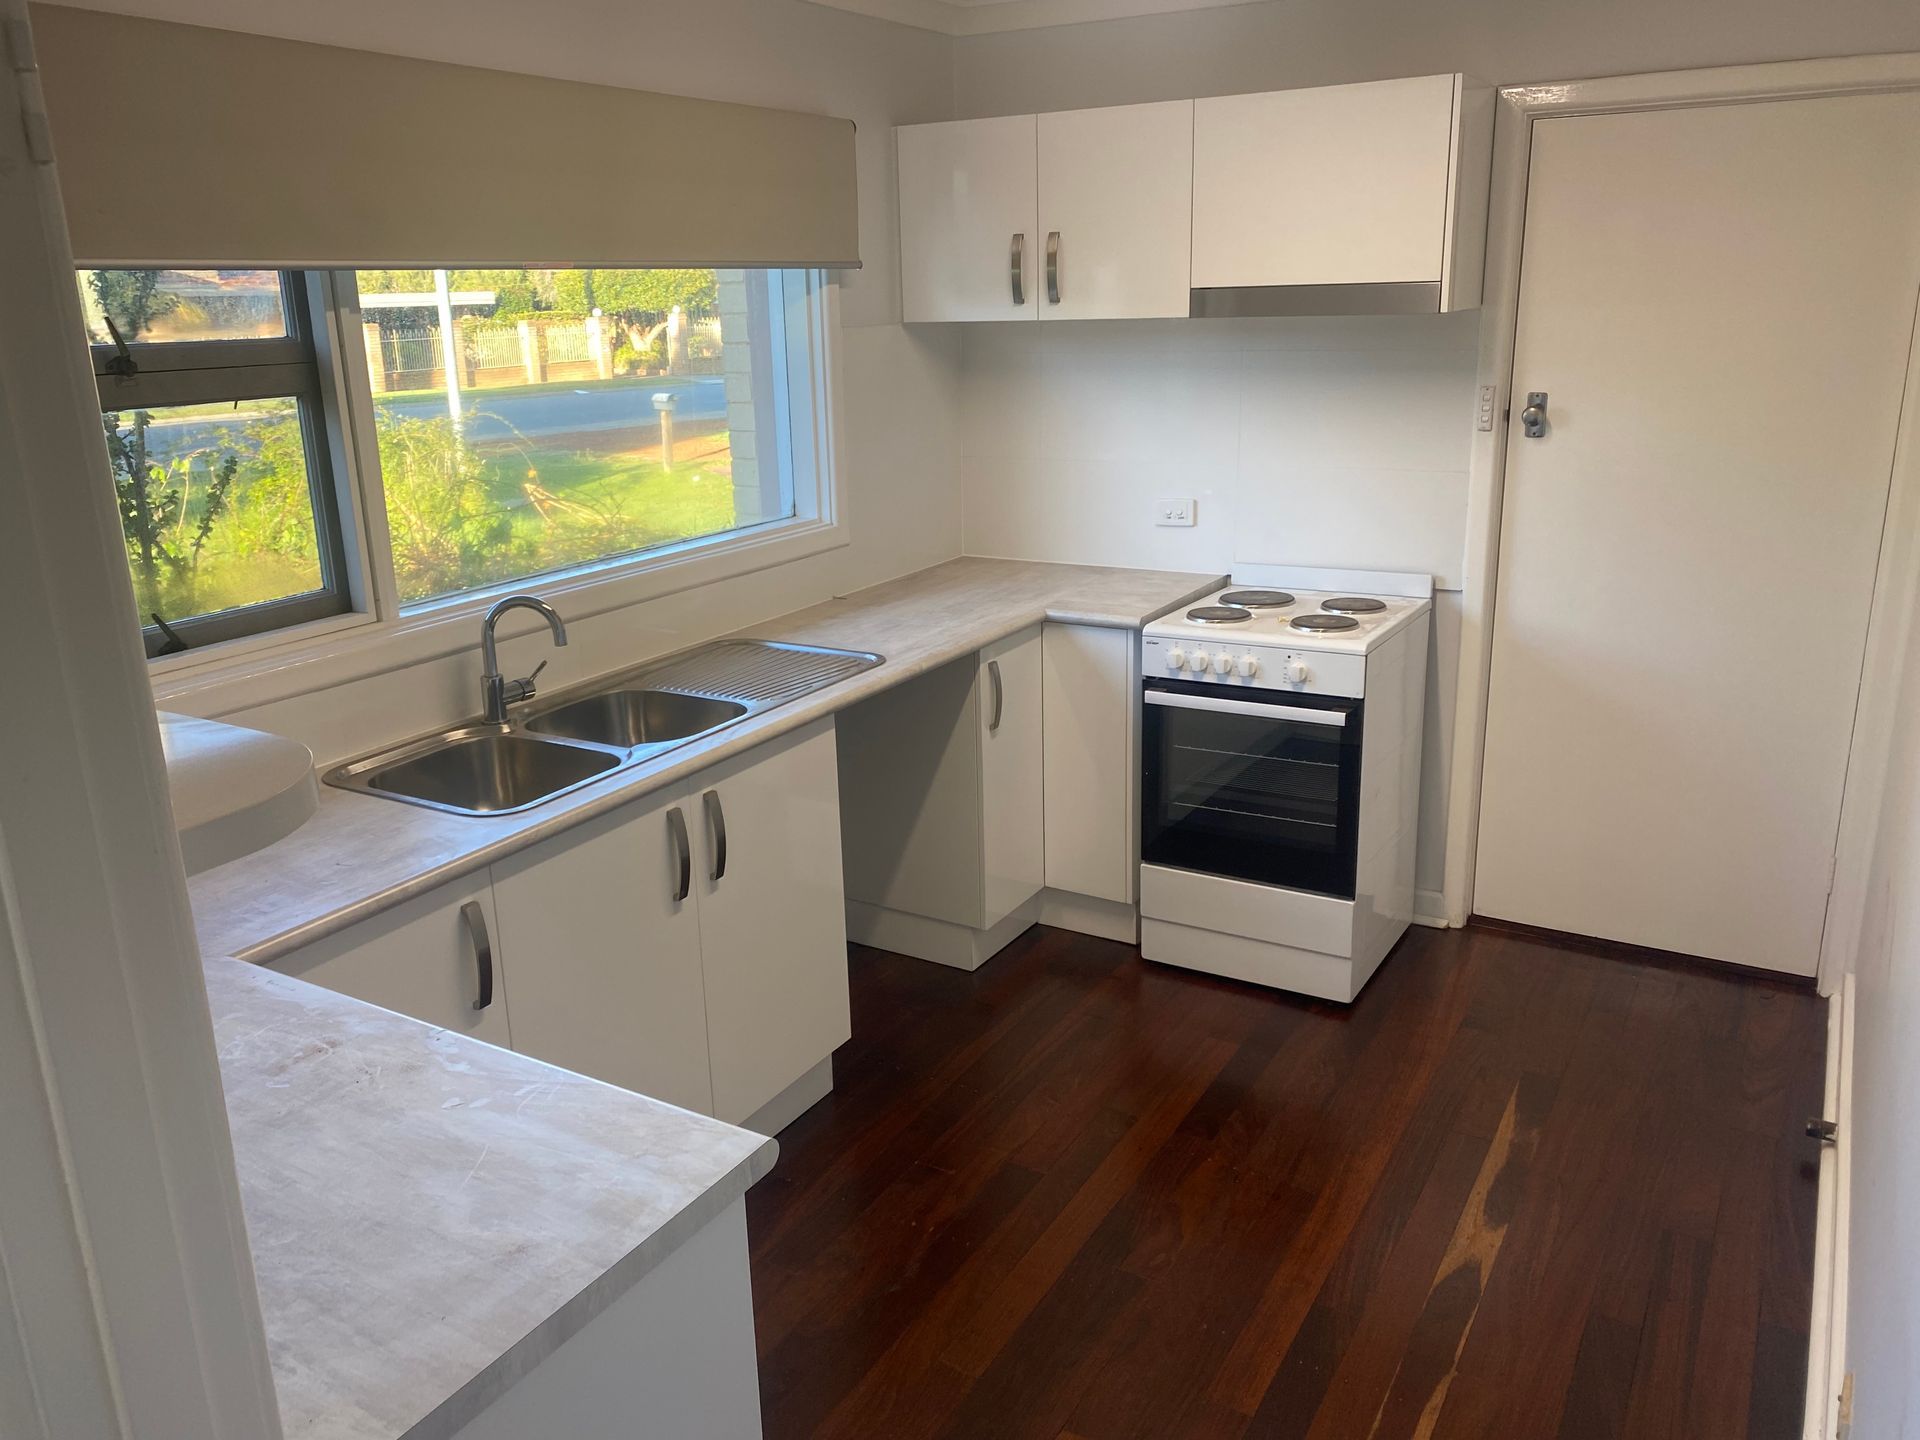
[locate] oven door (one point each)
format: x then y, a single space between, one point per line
1256 785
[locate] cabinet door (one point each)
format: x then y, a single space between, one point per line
773 923
610 982
1013 814
1091 766
1116 212
1341 185
437 957
968 243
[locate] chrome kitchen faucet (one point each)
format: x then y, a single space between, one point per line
498 693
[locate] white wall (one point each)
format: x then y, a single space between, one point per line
1284 43
1308 441
898 390
1333 442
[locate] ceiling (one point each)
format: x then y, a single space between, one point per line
982 17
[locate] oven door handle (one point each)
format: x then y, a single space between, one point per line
1178 701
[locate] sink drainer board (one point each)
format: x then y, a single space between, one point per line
759 672
596 731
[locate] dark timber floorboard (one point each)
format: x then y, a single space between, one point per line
1518 1190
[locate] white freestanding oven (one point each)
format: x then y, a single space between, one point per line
1280 757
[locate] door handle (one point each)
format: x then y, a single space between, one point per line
683 853
1533 419
717 824
1017 257
999 695
1053 267
476 922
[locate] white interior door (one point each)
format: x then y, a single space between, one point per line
968 191
1719 303
1116 212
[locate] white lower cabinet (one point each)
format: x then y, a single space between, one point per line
690 946
944 807
436 957
605 946
1012 797
1091 762
773 936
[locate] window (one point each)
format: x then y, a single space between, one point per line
581 428
535 421
210 395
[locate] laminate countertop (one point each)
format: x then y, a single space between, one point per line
361 854
431 1216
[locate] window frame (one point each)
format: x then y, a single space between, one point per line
208 372
378 637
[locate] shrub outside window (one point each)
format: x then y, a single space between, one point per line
210 397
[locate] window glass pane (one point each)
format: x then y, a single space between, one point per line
591 414
163 305
216 504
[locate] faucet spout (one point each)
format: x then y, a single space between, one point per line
498 692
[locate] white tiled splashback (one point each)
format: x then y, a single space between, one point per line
1338 441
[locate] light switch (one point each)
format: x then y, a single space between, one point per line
1487 397
1173 512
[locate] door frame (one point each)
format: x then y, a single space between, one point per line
1897 580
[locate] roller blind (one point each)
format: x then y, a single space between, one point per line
183 145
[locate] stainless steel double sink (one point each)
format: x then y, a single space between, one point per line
559 745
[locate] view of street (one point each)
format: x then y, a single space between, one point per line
522 412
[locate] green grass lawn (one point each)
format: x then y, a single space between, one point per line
576 506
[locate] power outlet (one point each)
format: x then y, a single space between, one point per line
1173 512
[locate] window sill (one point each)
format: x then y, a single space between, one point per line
261 670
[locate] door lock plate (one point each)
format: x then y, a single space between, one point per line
1533 419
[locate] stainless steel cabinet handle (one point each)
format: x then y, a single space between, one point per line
683 853
1018 259
999 695
476 922
717 823
1053 267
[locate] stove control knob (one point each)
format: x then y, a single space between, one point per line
1176 659
1249 665
1295 671
1223 664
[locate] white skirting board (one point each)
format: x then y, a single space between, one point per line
940 941
1090 915
1430 909
793 1102
1827 1329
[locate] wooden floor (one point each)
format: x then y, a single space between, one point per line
1516 1191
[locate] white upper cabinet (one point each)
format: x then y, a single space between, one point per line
1379 184
1348 199
1116 212
968 220
1080 215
